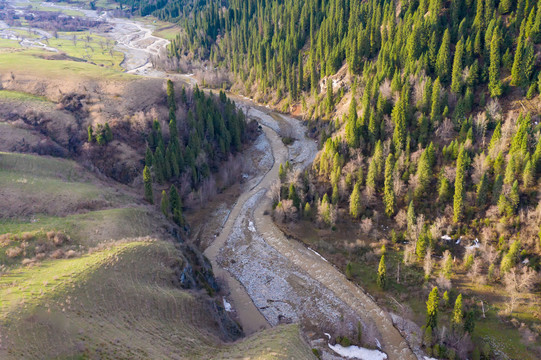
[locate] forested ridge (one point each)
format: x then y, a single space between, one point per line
191 150
428 116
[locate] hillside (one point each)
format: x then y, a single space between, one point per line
89 269
428 118
104 283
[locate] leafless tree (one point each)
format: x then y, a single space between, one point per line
385 89
445 130
275 191
399 186
443 283
428 264
481 123
480 166
476 271
494 110
367 225
437 228
519 281
401 219
409 253
450 173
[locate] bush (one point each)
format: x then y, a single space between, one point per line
343 340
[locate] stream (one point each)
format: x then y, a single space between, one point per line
270 278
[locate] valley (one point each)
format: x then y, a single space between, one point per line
256 287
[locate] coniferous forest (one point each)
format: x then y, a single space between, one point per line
427 113
212 130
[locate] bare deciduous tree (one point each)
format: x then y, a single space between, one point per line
428 263
401 219
480 166
518 281
445 130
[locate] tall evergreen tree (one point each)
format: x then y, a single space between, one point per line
457 319
388 195
355 205
456 83
460 182
494 82
443 62
432 306
382 273
147 180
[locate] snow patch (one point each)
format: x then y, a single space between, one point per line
355 352
251 227
474 246
328 335
227 305
446 237
318 254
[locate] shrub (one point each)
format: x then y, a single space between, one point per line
13 252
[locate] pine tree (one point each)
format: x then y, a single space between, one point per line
382 273
421 245
445 299
432 308
458 200
301 75
355 205
148 157
506 6
496 136
90 134
281 173
497 188
528 175
108 133
165 203
388 195
175 205
335 195
510 170
443 62
444 188
482 191
510 259
456 82
424 173
171 104
435 109
494 83
147 180
457 319
517 71
514 198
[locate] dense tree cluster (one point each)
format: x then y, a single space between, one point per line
102 135
192 148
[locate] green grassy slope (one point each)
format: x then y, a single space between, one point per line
116 297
